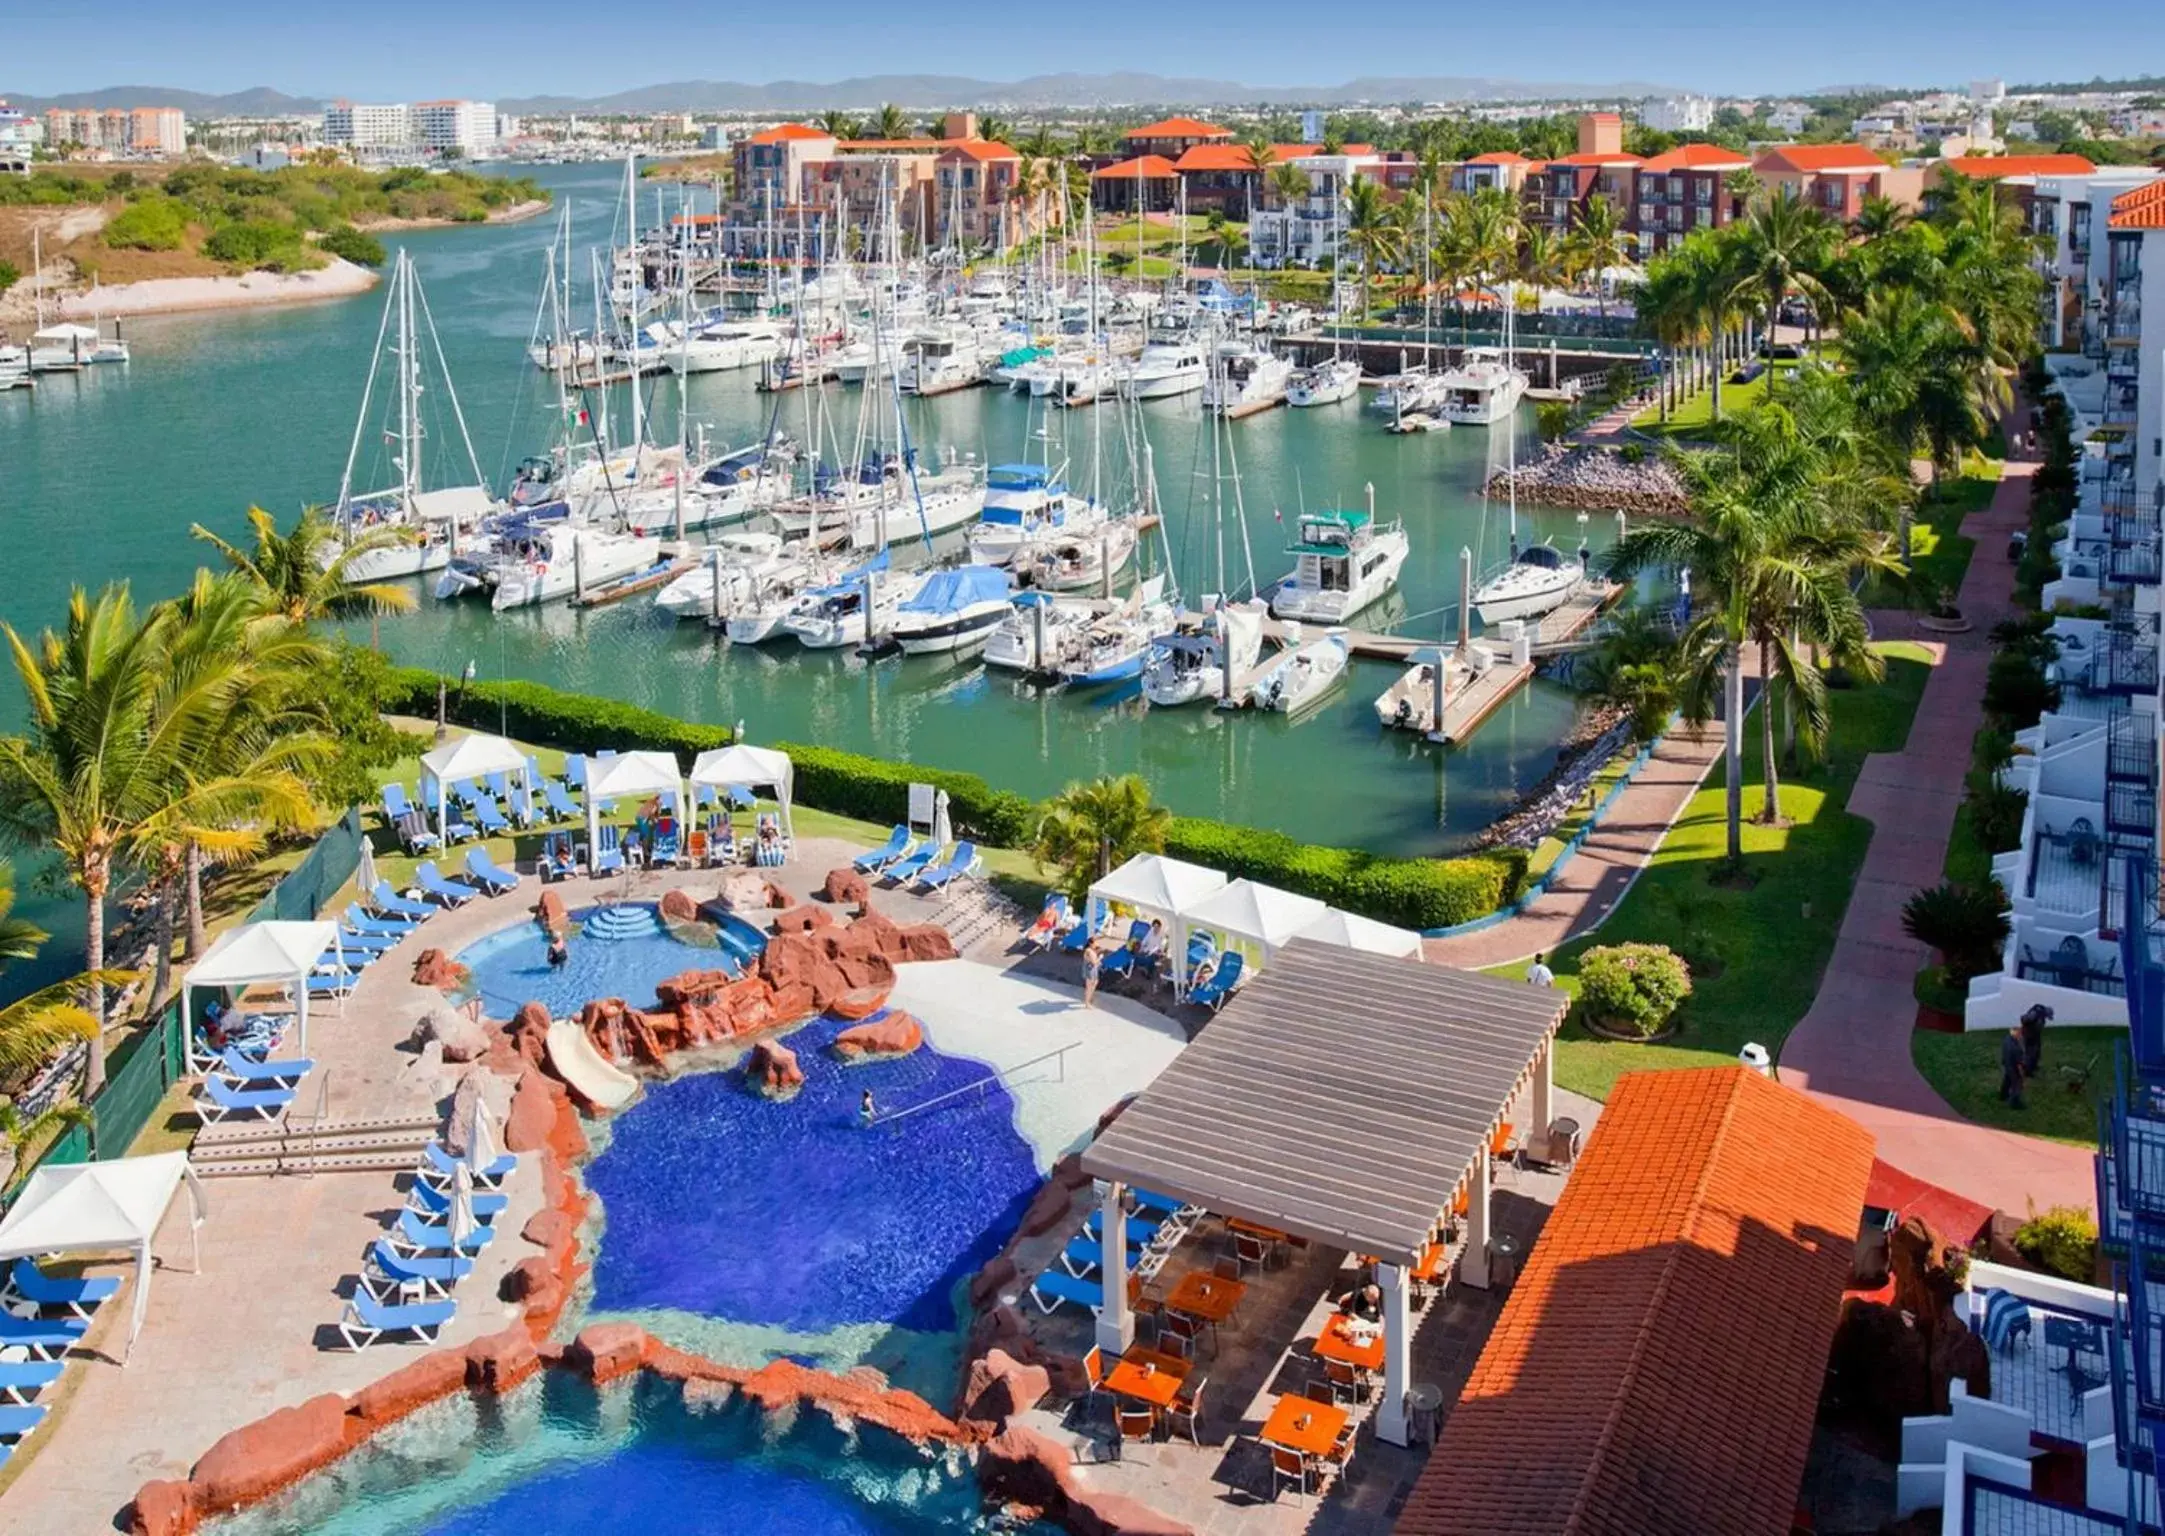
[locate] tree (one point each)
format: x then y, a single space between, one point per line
1261 155
1088 830
300 578
1597 241
1369 231
995 128
839 124
1541 258
1913 371
890 122
1783 247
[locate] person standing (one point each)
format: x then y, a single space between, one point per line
2034 1020
1090 976
1538 974
2012 1056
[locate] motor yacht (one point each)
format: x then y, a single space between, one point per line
1175 365
722 345
1326 383
1188 663
1022 502
834 616
1481 390
562 561
1039 633
1244 380
1343 562
955 610
1301 676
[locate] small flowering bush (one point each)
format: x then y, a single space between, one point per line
1632 988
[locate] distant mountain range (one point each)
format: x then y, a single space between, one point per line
910 92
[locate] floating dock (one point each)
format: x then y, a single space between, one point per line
631 586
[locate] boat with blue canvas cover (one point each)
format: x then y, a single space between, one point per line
955 610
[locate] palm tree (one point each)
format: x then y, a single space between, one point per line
1783 247
1913 371
1261 156
1541 258
1879 218
1369 231
1712 280
995 128
1597 241
1669 309
298 575
889 122
19 937
1088 830
838 123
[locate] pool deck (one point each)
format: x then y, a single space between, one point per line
247 1334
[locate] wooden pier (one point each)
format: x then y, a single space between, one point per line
631 586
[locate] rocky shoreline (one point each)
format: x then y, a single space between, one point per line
1601 734
1587 478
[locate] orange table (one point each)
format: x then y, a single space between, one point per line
1304 1425
1148 1377
1336 1342
1435 1262
1206 1296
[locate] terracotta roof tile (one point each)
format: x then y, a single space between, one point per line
1500 157
1982 166
1149 167
1179 128
2143 208
1234 157
1658 1364
1698 157
1809 159
784 131
978 149
1597 157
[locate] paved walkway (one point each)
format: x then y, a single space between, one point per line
1852 1048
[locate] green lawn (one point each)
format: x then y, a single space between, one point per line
1939 552
1773 938
1695 413
2062 1104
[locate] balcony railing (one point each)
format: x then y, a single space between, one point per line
2130 747
2131 649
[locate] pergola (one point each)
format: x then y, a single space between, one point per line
102 1208
627 776
469 757
1346 1098
256 953
754 768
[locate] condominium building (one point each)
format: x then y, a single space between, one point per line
368 125
1678 114
1688 188
95 128
460 127
19 131
158 131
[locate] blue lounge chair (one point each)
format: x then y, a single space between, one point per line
1047 927
405 819
388 1270
909 867
575 771
485 869
561 806
333 984
770 849
1214 989
1142 1230
45 1338
1055 1286
452 893
435 1203
1085 1256
17 1420
79 1298
522 805
740 796
491 820
221 1098
1077 939
384 899
1151 1200
557 860
366 1319
243 1073
440 1165
963 862
499 784
1122 960
370 944
414 1235
899 842
609 857
21 1380
360 920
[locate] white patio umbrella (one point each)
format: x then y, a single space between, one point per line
943 830
461 1222
367 873
480 1143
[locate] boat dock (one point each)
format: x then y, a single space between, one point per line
631 586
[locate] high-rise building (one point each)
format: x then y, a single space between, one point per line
465 127
157 131
358 125
1678 114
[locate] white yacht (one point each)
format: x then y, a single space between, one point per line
1115 647
734 570
1302 675
763 613
1409 390
1343 563
1022 502
1086 380
1245 379
1176 366
721 345
560 561
1481 390
1188 664
1071 560
1326 383
1539 579
940 362
832 617
955 610
1039 633
731 489
1409 704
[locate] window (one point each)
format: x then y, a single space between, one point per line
1705 191
1646 214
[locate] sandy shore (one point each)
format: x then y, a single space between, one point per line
174 295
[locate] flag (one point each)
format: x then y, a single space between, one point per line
582 416
1275 512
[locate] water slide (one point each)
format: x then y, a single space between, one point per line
591 1075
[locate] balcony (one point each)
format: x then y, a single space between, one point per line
2131 649
2133 533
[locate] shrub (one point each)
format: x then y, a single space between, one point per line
1966 924
1996 815
152 224
2062 1240
1632 988
1632 453
1414 893
252 243
551 717
2017 690
343 240
872 789
10 275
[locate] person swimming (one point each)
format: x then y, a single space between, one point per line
867 1111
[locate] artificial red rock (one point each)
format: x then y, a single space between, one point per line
999 1387
1095 1512
552 914
873 933
165 1507
533 1113
460 1034
678 906
1022 1466
1047 1209
896 1034
531 1276
790 958
529 1031
499 1361
253 1462
846 887
803 920
985 1286
926 941
786 1005
1069 1172
705 1396
434 968
773 1067
436 1375
699 986
746 892
604 1351
862 971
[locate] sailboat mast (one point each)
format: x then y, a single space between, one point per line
409 378
368 390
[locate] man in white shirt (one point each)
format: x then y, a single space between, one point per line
1538 974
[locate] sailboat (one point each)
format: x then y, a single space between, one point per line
1537 579
955 610
430 521
1203 659
1336 377
1116 647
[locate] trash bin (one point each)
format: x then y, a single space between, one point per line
1503 1261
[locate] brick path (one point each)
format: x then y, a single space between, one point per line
1852 1048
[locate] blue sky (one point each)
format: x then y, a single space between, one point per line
399 49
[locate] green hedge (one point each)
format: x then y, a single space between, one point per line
1416 893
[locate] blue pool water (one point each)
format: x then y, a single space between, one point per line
512 968
721 1203
628 1461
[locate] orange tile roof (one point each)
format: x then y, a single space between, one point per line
1500 157
978 149
1149 167
1234 157
1596 157
2143 208
1658 1364
1698 157
1809 159
1981 166
1179 128
784 131
875 145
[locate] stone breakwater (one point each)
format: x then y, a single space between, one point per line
1592 479
1549 802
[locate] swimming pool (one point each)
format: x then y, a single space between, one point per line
628 1460
512 968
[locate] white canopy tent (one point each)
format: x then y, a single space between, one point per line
469 757
1156 886
628 776
1261 915
103 1208
1350 931
754 768
254 953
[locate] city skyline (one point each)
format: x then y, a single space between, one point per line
550 48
